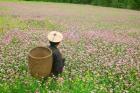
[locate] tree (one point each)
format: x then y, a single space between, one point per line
131 4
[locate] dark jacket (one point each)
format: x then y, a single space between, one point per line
58 61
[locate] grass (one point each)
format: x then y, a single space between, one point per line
98 82
93 65
134 34
11 22
9 0
4 8
78 78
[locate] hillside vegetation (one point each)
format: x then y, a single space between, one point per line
130 4
101 46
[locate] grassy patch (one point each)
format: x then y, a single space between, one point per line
10 0
9 23
134 34
97 82
92 65
4 8
116 26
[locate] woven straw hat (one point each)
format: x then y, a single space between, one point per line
55 36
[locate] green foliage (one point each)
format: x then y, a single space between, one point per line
101 70
98 82
131 4
10 0
9 22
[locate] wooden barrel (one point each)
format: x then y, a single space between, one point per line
40 62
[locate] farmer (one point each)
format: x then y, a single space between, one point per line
55 38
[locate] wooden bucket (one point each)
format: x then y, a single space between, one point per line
40 62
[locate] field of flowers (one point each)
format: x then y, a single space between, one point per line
101 46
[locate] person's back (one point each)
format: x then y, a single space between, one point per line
58 62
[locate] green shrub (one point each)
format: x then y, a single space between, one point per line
131 4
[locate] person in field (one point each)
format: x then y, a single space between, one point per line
55 38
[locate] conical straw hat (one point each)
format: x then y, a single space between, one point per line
55 36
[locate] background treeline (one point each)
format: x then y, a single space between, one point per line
130 4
